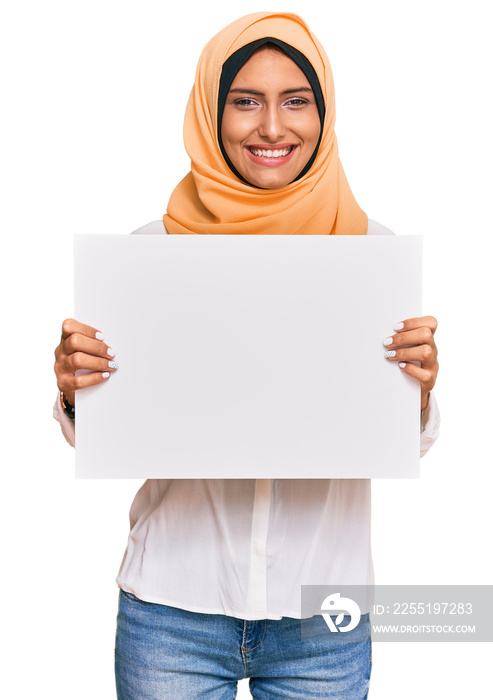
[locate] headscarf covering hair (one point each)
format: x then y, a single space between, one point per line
213 198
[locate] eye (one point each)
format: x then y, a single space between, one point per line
297 102
245 102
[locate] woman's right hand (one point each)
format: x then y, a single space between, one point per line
81 347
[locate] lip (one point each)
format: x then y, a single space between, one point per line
271 162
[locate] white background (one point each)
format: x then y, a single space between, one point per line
93 100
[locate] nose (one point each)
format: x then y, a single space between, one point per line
272 125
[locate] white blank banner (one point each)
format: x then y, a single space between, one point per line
248 356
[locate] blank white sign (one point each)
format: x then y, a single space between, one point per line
248 356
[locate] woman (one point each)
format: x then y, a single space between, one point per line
210 581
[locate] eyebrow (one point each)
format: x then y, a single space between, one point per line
285 92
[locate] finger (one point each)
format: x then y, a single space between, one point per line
420 336
77 342
80 360
424 376
411 324
420 353
83 381
70 325
69 384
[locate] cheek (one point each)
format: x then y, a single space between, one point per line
309 129
310 132
234 131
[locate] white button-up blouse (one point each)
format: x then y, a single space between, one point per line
244 547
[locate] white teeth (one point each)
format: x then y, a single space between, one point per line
278 153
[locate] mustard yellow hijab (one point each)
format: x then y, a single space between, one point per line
211 199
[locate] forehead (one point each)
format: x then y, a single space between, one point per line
270 66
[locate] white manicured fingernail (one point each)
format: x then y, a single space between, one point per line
398 326
113 365
106 375
99 336
388 341
402 365
390 353
111 352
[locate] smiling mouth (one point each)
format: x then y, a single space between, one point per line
270 153
271 157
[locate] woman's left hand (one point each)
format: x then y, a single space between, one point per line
418 333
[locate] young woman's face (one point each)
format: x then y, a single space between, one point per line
270 125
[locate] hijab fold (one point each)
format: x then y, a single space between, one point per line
211 199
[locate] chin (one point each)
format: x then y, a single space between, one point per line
269 181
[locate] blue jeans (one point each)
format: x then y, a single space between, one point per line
165 652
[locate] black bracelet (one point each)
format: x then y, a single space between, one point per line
68 408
